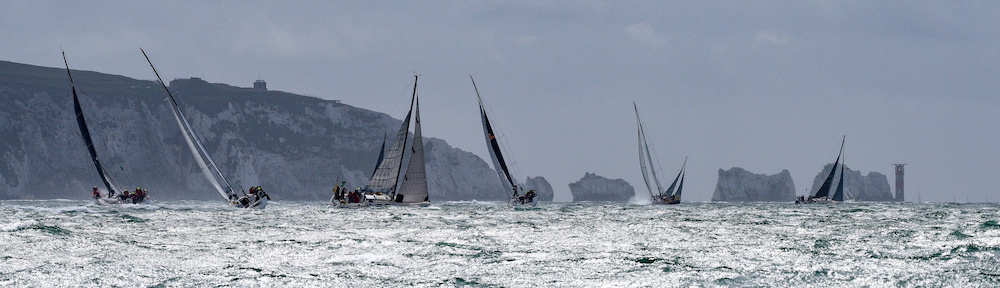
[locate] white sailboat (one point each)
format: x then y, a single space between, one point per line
671 195
506 180
256 199
386 187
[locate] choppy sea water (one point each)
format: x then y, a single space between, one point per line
487 244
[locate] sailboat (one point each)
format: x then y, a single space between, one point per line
823 194
668 196
110 185
342 197
389 184
506 180
256 199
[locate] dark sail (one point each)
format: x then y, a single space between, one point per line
680 187
381 153
681 174
85 132
839 195
494 146
824 190
89 141
670 190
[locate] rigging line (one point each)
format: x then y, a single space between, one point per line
188 131
506 147
656 156
402 95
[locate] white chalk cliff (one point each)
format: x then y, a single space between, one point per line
596 188
739 185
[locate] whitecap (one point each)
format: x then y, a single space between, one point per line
57 210
11 227
360 258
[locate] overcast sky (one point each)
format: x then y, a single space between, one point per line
755 84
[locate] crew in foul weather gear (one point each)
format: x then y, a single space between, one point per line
530 196
336 192
262 194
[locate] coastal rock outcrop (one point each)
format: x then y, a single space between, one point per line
871 187
596 188
296 147
739 185
541 186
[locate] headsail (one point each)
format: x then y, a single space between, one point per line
81 121
493 146
839 195
201 155
413 189
680 186
381 154
680 176
824 190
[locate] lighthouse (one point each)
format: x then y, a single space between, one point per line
899 183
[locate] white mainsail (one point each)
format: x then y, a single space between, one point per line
201 155
645 157
413 189
385 176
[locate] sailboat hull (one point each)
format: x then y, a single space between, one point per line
260 204
518 203
669 200
820 200
411 204
339 204
108 201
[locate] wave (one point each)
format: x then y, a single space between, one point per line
34 225
359 258
11 227
56 210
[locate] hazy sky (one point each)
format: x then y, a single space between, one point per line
755 84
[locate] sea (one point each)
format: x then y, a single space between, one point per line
71 243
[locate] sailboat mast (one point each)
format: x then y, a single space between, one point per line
493 146
824 190
839 194
644 148
197 148
399 170
680 187
683 173
642 157
413 188
81 121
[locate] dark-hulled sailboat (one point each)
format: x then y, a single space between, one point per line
493 146
256 199
823 194
387 187
668 196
